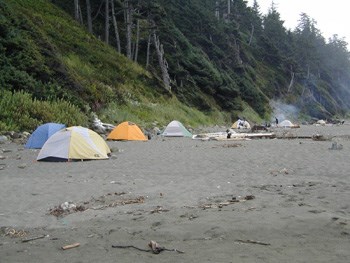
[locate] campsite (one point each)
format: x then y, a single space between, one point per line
271 199
173 131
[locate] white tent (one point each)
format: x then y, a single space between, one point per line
176 129
240 124
74 143
286 124
321 122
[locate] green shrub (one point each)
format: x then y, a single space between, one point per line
20 112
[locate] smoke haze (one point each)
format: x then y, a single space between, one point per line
284 111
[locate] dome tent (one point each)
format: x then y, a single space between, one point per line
74 143
287 124
240 124
176 129
127 131
42 133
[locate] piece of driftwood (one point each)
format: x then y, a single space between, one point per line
11 232
33 238
246 136
260 135
155 248
71 246
315 137
253 242
232 139
294 137
210 136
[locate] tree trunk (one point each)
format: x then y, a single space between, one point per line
107 21
302 93
291 80
89 20
148 49
116 31
137 39
217 11
81 21
128 17
162 62
76 10
238 59
251 35
228 7
98 11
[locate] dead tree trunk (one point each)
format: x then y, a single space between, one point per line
89 20
162 62
251 35
217 10
302 93
238 59
148 50
115 25
137 40
81 21
107 21
76 10
291 80
128 21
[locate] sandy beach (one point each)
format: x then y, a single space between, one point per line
262 200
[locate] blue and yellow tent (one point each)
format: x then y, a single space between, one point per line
74 143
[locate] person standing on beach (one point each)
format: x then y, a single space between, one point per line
276 121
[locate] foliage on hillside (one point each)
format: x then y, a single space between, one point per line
50 56
257 59
231 56
56 62
20 112
222 60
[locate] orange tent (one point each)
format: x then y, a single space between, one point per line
127 131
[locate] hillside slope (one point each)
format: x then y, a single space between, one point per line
244 56
224 54
51 57
221 63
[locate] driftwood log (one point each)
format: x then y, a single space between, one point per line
71 246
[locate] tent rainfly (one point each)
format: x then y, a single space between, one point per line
42 134
74 143
127 131
176 129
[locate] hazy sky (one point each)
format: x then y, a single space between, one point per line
332 17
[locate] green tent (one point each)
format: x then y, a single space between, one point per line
176 129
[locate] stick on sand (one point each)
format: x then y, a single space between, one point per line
71 246
253 242
33 238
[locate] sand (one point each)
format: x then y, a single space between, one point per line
263 200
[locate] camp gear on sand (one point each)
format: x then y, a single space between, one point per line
240 124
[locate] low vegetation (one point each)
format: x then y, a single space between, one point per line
20 112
